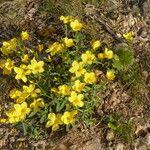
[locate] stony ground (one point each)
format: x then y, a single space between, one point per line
130 100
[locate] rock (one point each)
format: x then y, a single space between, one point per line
110 136
148 139
140 130
93 145
143 147
119 146
63 147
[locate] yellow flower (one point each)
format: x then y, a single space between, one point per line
90 78
76 99
66 19
40 47
78 86
76 25
22 110
14 93
3 120
24 35
31 90
2 62
23 96
9 47
25 58
73 78
68 42
18 113
129 36
100 55
37 104
18 95
77 68
110 74
55 48
68 117
8 66
36 67
87 57
64 89
108 53
54 90
21 73
96 45
54 121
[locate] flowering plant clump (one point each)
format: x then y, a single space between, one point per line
56 84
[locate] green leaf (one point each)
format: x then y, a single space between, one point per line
123 59
43 118
32 114
116 63
126 57
25 128
60 106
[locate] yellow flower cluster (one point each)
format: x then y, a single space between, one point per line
40 47
87 57
24 70
74 23
24 35
89 78
108 54
55 48
55 120
68 42
37 104
66 19
28 68
7 66
110 74
76 99
9 47
18 113
78 86
36 67
77 68
25 58
64 89
96 44
58 47
28 91
129 36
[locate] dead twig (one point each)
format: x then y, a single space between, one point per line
106 27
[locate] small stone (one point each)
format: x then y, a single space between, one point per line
148 139
140 130
63 147
144 34
110 136
120 146
143 147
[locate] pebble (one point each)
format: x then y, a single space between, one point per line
119 146
143 147
110 135
148 139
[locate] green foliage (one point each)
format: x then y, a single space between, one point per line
121 127
56 85
124 62
123 59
